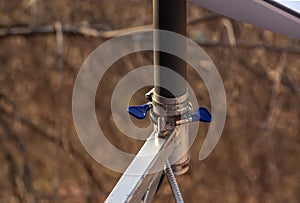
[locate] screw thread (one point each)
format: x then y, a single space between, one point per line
173 183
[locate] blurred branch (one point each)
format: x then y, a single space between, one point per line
21 181
269 167
251 45
277 99
200 19
59 122
230 31
60 44
81 29
53 139
49 29
12 175
114 33
87 30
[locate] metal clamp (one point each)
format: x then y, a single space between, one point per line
172 108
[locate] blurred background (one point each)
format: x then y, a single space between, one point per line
42 47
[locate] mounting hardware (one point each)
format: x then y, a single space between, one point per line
139 112
149 95
161 124
202 115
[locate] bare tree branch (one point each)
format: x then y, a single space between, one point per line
54 139
21 183
251 45
230 31
276 100
203 18
87 30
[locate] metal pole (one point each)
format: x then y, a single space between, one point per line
169 15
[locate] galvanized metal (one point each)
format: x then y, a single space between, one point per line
138 181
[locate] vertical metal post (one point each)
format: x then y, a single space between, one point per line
169 142
169 15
